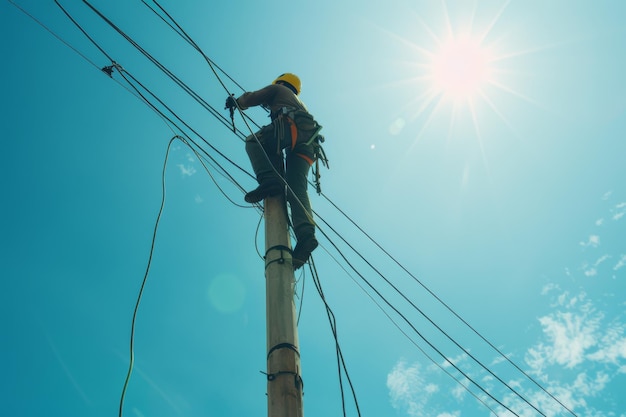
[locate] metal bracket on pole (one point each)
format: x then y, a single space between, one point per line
298 382
281 259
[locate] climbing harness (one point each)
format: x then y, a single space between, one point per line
302 120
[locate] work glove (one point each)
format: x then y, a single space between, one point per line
231 102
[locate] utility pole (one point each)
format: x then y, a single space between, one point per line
284 381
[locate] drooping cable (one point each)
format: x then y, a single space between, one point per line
175 79
245 119
406 335
449 308
145 278
406 320
341 364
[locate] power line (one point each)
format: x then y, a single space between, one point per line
444 304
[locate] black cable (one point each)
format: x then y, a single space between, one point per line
53 34
450 309
163 68
417 332
145 278
333 325
188 39
84 32
211 66
405 334
177 80
135 80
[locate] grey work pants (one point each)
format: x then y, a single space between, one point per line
266 159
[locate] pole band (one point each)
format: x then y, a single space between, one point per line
283 346
281 259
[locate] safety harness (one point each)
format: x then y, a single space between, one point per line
304 121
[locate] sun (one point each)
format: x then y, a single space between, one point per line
460 68
458 71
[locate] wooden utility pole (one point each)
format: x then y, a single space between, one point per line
284 381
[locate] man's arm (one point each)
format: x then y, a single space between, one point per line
263 96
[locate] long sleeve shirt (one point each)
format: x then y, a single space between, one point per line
274 97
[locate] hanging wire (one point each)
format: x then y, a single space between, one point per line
145 278
406 335
341 364
450 309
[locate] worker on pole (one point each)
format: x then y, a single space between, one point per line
294 130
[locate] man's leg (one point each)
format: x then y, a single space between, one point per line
301 213
267 164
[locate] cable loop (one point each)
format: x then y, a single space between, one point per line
283 346
281 259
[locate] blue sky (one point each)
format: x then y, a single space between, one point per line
503 193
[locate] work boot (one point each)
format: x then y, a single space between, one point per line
265 189
302 252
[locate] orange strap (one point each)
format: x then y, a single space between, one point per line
294 132
306 158
294 139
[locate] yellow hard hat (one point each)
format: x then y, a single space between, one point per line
291 79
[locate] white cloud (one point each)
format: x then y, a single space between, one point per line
593 241
186 171
599 222
551 286
612 346
620 264
590 387
591 272
570 336
198 199
620 211
607 195
409 390
602 259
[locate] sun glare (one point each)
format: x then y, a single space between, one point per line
460 68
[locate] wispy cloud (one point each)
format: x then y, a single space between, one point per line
591 272
619 211
409 390
569 337
580 339
186 171
620 264
593 241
